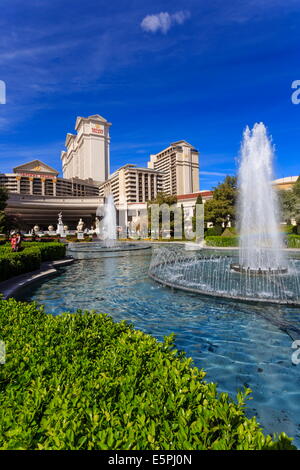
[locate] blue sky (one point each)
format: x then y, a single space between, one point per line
160 71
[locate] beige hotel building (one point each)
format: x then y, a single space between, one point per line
88 155
130 184
179 165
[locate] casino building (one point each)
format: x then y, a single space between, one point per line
88 156
38 178
286 183
37 193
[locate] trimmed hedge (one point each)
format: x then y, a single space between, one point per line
215 231
49 251
29 259
286 228
74 239
222 241
82 381
13 264
293 241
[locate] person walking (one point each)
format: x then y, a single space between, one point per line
13 241
18 241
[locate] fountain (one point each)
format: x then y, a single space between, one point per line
261 272
106 232
261 245
109 223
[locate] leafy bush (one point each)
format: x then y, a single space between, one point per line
286 228
49 251
74 239
13 264
214 231
29 259
293 241
44 235
45 239
222 241
296 229
229 232
81 381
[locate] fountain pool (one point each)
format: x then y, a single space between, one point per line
107 244
236 343
213 275
261 272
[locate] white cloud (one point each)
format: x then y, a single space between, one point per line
163 21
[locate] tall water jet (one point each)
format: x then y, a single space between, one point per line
109 223
261 243
260 274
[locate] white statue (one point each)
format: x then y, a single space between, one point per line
60 225
97 224
80 225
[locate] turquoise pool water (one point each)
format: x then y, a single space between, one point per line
237 344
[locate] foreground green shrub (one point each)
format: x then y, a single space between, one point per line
13 264
81 381
222 241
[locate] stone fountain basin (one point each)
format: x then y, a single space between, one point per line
263 272
213 275
98 249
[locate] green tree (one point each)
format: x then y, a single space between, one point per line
296 189
220 210
288 204
198 201
162 198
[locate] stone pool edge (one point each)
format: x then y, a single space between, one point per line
9 287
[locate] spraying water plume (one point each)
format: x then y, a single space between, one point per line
261 243
109 223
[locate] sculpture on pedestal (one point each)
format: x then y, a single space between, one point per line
80 225
60 225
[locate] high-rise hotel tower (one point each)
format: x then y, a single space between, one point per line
88 155
179 165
